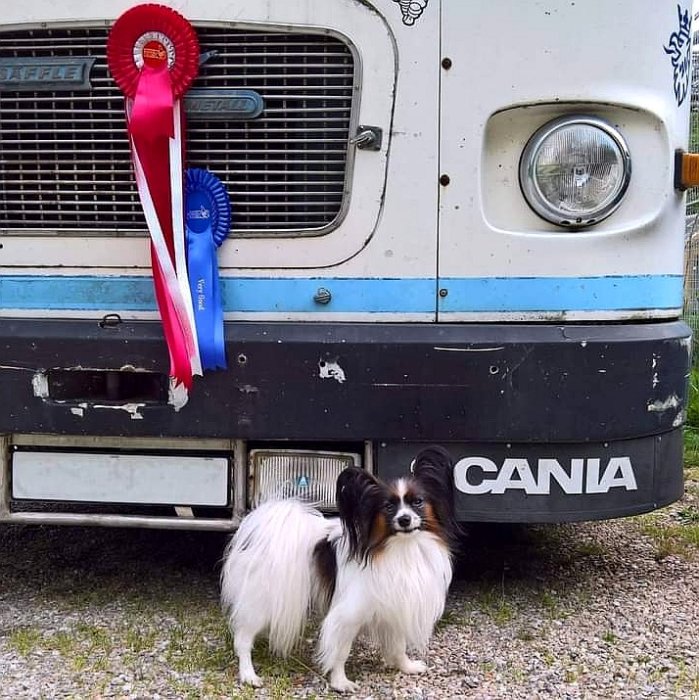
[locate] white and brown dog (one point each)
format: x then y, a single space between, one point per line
384 567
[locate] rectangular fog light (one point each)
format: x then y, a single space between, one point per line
306 474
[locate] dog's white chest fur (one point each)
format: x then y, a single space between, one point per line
403 587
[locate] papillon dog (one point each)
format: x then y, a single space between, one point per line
383 567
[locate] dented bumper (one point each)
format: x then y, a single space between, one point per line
492 383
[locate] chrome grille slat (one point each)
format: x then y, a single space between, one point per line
249 183
77 119
120 109
223 159
79 190
210 141
299 95
64 156
315 216
236 183
38 40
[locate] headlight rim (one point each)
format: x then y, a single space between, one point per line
529 185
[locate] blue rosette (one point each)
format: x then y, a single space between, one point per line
207 214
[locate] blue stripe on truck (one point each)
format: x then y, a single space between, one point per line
552 294
358 295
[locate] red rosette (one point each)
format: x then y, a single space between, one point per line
152 34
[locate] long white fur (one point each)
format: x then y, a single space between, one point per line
267 578
396 598
269 585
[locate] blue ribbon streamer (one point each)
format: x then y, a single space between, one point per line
207 220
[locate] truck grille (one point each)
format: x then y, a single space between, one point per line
64 156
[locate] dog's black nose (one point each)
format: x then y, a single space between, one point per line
404 521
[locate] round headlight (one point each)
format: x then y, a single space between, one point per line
574 171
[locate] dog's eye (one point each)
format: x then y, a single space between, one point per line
389 507
417 501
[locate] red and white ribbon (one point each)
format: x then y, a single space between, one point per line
153 55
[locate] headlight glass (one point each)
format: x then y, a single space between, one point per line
308 475
574 171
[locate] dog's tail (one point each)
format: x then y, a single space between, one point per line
267 577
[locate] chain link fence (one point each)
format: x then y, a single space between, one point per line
691 239
691 269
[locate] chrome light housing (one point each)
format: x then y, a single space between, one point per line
575 170
310 475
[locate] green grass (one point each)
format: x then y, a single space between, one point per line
451 618
138 640
550 604
691 446
693 399
609 637
688 515
24 640
691 431
527 634
671 538
205 646
493 603
675 532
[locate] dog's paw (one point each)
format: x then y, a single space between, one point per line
251 679
342 684
412 666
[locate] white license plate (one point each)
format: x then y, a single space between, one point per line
117 478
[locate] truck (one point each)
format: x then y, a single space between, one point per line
453 223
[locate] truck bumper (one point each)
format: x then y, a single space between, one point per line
490 391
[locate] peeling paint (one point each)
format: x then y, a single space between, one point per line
177 395
451 385
686 343
672 401
40 385
132 408
655 381
131 368
679 420
247 389
330 369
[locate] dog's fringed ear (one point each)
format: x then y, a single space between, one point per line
359 496
433 467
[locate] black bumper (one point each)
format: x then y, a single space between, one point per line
342 382
601 405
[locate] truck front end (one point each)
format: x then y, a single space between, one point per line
453 223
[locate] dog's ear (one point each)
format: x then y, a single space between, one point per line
433 468
359 498
351 483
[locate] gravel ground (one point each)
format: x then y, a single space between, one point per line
596 610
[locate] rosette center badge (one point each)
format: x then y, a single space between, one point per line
154 49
